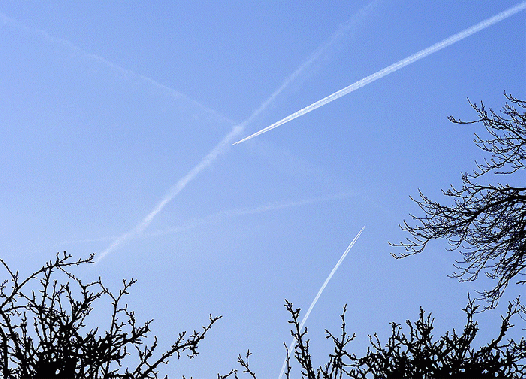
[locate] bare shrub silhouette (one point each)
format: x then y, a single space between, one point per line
44 334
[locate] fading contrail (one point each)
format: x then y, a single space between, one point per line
225 214
293 343
238 212
124 72
222 146
394 67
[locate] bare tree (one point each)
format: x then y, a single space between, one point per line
44 333
486 223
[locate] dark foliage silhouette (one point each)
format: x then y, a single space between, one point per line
44 334
485 222
415 353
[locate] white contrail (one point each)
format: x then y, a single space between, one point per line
394 67
222 215
293 343
205 162
178 187
238 212
124 72
225 142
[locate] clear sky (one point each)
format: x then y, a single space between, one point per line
109 108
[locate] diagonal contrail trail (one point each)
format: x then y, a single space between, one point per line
238 212
394 67
126 73
291 346
222 146
174 191
225 214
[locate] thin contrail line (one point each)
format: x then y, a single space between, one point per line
127 73
394 67
238 212
225 214
291 346
224 144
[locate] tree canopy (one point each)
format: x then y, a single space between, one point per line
44 334
485 221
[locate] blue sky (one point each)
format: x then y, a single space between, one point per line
106 106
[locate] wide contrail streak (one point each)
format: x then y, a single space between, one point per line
174 191
222 216
293 343
394 67
238 212
227 140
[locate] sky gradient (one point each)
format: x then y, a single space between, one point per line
118 124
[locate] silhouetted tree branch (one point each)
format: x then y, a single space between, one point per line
486 223
44 333
416 353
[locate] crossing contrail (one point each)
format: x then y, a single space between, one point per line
394 67
222 216
222 146
291 346
238 212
